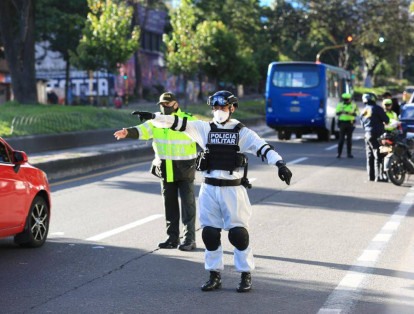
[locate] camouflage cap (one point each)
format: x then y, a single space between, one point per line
167 97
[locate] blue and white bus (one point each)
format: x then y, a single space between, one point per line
301 98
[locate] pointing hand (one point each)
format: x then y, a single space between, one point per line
144 115
284 173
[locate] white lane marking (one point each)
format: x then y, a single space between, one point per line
391 225
56 234
296 161
351 280
369 256
131 225
382 237
332 147
329 311
347 292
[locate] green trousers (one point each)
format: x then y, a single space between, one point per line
170 191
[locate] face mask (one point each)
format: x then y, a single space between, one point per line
167 110
220 116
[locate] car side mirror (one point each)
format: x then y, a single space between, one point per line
19 157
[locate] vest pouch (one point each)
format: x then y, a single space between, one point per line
241 160
202 161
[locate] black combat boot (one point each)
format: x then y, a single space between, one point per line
245 283
213 283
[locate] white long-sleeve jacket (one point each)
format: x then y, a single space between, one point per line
249 141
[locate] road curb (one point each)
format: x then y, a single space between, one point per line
63 168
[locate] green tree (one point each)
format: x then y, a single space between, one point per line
218 57
61 23
182 54
242 19
107 38
17 20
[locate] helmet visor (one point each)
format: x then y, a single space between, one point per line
217 101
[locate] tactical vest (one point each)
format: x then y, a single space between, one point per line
222 153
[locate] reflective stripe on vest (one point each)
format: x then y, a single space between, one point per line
351 108
170 145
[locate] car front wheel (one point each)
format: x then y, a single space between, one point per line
37 225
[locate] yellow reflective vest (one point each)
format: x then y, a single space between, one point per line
347 112
175 152
393 118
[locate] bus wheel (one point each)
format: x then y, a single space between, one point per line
324 135
284 135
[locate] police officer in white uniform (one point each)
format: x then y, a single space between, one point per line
223 200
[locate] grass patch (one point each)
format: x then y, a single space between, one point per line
22 120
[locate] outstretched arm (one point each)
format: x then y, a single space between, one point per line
252 143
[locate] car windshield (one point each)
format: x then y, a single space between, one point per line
407 113
302 76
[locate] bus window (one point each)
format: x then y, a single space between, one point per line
333 84
293 76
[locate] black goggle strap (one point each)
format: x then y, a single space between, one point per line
264 154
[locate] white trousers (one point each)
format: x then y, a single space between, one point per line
225 208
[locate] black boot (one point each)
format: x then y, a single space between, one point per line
213 283
245 283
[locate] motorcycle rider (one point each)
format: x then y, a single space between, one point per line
346 111
392 125
373 119
223 200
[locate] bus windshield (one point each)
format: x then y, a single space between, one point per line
296 76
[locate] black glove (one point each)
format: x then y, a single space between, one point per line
144 115
284 173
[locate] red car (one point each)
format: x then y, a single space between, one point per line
24 199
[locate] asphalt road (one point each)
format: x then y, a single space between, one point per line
331 242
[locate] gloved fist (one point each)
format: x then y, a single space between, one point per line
144 115
284 173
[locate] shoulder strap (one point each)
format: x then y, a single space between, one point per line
213 126
239 126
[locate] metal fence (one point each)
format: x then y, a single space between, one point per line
48 123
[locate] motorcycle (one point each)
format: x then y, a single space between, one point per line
399 159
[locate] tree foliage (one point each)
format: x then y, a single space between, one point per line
182 54
107 37
61 23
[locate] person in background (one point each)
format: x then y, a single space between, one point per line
346 111
373 119
395 104
52 97
393 124
174 164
